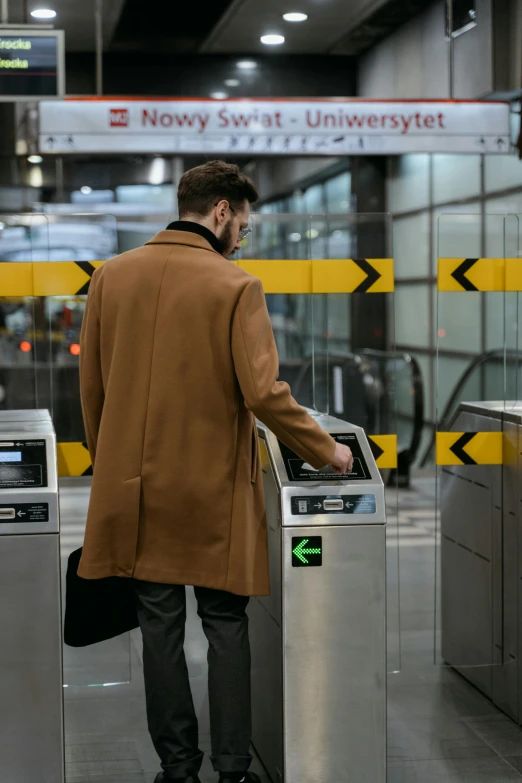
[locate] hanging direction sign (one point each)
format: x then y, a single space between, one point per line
31 64
273 127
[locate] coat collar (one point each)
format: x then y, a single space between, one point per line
186 238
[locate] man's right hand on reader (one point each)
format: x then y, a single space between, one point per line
342 461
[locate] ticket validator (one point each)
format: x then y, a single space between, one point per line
319 640
31 688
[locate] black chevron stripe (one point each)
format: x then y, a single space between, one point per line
376 450
372 275
89 269
460 444
459 274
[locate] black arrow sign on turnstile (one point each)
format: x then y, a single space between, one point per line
375 449
372 275
89 269
460 274
459 446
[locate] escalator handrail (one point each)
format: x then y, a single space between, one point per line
498 354
418 397
418 389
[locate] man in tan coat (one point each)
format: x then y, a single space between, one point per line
177 360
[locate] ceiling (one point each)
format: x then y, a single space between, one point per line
240 28
225 26
76 17
168 27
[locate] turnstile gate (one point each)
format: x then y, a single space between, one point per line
319 640
31 695
481 560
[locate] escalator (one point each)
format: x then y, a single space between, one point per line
493 375
380 391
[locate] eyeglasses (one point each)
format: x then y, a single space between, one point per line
244 231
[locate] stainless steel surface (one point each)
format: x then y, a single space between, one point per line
291 489
31 717
319 640
334 659
27 425
481 563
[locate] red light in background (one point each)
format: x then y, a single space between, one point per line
75 349
442 333
26 346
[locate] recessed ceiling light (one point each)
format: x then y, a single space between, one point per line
295 16
43 13
232 82
35 159
86 190
219 96
247 65
273 39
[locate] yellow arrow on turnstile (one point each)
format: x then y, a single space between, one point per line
352 275
54 278
469 448
384 450
480 274
63 278
74 460
16 279
283 276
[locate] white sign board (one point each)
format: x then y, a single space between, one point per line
265 127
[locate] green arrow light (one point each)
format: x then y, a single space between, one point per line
300 550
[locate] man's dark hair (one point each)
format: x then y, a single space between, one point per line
203 187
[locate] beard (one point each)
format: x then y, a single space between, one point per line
226 243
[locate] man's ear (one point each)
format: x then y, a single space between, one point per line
221 210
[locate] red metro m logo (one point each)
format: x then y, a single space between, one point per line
119 118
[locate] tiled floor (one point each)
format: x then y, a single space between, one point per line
440 729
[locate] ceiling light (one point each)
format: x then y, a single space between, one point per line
219 96
35 159
295 16
43 13
158 171
86 190
232 82
273 39
247 65
294 237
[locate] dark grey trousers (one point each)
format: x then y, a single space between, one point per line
171 716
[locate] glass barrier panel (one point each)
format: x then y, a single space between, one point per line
39 365
472 309
352 376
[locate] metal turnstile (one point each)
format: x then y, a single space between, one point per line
31 688
319 640
481 560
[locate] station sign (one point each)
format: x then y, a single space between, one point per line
31 64
273 127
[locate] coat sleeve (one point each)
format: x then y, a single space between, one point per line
257 368
91 383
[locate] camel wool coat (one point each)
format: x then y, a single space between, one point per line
177 359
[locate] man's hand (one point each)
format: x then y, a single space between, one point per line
342 461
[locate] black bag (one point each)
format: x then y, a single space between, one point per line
96 609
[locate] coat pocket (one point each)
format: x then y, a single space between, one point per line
255 454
